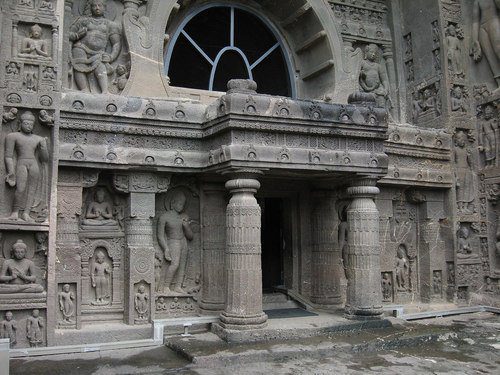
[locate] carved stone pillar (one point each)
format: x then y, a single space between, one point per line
364 294
325 255
243 308
214 243
140 254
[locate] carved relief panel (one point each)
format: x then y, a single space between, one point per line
178 250
99 61
25 168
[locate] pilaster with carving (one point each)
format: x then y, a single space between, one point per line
214 244
140 256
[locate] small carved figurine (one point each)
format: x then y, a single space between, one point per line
437 283
10 115
99 212
99 277
487 136
464 246
49 73
122 75
66 304
386 287
464 177
34 326
402 269
33 45
455 55
30 81
46 4
45 118
457 100
141 303
489 288
8 329
12 69
161 304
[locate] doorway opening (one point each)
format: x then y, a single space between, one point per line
274 244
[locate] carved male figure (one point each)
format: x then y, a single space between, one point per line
402 269
436 282
99 212
373 76
464 246
457 100
455 56
122 75
30 81
34 326
464 178
141 303
18 273
27 175
161 304
91 36
66 304
33 45
487 136
174 231
386 287
8 329
486 34
99 278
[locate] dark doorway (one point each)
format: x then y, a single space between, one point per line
273 243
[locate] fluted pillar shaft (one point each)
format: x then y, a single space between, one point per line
325 255
243 271
364 295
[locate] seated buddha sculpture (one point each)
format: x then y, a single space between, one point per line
18 273
99 213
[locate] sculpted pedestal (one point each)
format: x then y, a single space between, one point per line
243 270
364 294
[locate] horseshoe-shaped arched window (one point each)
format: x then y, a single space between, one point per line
217 43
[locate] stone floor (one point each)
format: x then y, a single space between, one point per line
465 344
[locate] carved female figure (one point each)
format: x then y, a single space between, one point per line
91 36
99 277
66 304
34 325
464 177
8 329
486 34
402 269
174 230
386 287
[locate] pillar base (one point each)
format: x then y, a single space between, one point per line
360 313
211 308
243 323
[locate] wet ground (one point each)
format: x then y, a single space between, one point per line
455 345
